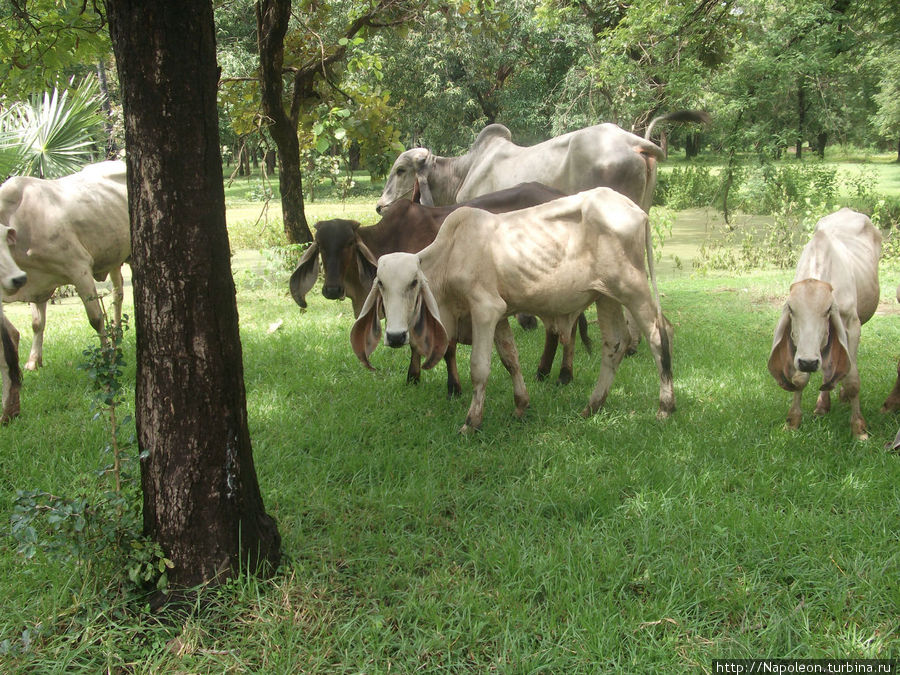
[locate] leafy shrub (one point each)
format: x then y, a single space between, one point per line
773 187
687 187
98 528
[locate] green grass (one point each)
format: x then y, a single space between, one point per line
549 545
555 544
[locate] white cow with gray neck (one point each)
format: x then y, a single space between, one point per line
603 155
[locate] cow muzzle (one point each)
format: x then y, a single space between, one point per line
808 365
16 282
396 339
333 292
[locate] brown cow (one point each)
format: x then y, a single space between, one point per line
349 255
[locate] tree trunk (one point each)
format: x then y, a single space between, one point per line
691 145
112 149
201 497
821 142
272 18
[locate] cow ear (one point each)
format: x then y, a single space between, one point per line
836 355
11 236
781 358
366 332
305 275
427 333
366 263
421 186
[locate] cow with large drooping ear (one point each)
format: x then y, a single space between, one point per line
349 265
835 291
809 335
415 319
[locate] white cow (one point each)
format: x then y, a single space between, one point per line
834 292
70 230
551 260
601 155
11 279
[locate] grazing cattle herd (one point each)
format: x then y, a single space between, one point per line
463 244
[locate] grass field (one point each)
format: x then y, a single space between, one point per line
549 545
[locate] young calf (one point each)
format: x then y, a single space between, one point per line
551 260
835 291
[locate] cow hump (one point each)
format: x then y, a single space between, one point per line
491 132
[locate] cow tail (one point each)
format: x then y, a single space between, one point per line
11 356
663 333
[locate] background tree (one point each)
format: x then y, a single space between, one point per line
44 43
201 498
315 51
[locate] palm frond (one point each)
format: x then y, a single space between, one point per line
59 131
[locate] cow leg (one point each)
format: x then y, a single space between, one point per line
795 412
649 319
118 284
551 341
850 384
509 356
414 371
566 368
484 322
38 322
10 375
892 402
823 403
454 388
87 291
615 342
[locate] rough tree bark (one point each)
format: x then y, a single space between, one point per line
201 497
272 17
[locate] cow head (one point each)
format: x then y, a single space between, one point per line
402 295
408 179
338 243
12 278
809 335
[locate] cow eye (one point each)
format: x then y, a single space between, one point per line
413 284
401 171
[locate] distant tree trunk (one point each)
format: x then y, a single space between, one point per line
898 150
354 156
201 497
821 142
272 17
691 145
112 149
271 157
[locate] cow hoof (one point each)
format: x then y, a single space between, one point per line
467 429
412 379
33 365
565 377
541 375
792 424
